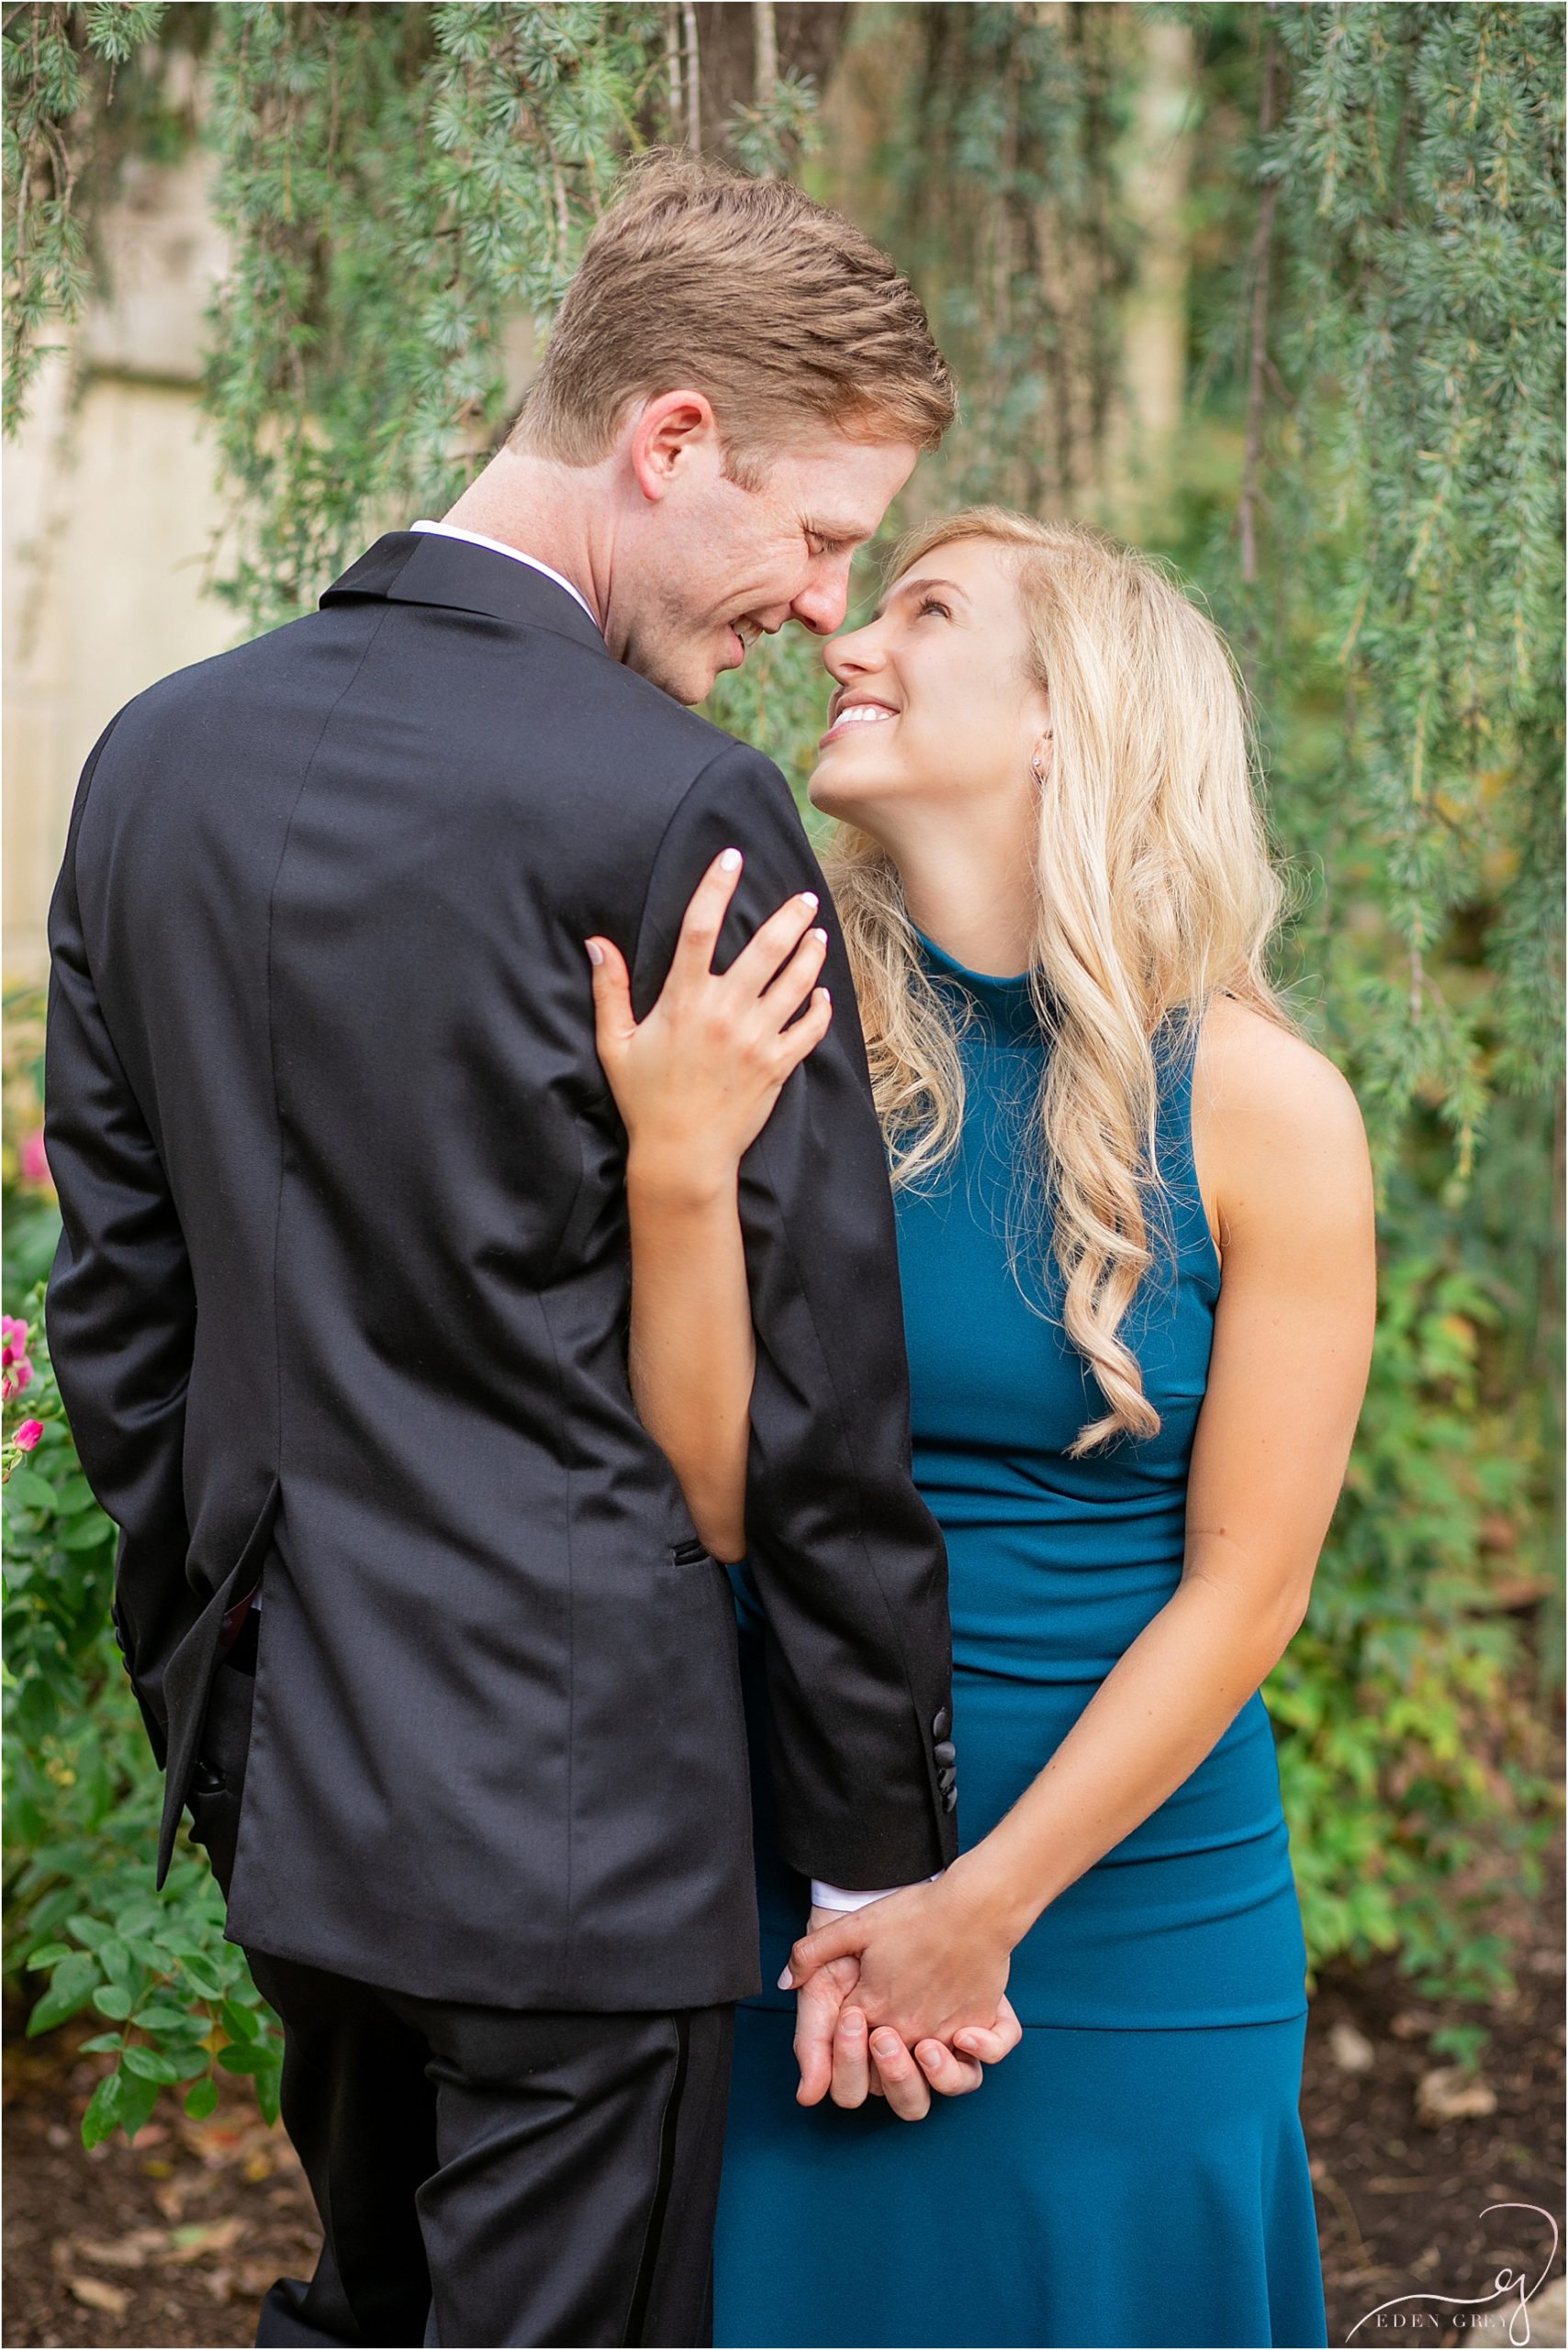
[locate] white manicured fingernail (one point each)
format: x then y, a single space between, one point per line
731 861
595 951
809 899
820 935
785 1980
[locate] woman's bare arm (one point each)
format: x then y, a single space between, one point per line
691 1355
695 1084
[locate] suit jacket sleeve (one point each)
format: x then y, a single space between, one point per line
121 1306
847 1562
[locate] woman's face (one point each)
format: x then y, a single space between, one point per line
934 702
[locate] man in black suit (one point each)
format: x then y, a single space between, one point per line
339 1312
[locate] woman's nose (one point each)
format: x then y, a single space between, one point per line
850 656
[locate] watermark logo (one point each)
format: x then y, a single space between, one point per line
1483 2316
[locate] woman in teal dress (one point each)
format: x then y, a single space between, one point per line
1135 1243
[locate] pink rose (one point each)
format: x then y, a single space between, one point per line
15 1370
27 1435
34 1163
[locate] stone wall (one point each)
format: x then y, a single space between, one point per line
109 515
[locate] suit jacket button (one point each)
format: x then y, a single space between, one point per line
941 1723
947 1751
950 1800
948 1778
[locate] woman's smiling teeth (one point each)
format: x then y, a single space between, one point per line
858 713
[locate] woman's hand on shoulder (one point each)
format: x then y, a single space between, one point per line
697 1080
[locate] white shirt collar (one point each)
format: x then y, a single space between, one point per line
499 546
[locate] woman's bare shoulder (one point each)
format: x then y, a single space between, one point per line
1273 1117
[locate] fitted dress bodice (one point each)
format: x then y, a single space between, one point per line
1064 1559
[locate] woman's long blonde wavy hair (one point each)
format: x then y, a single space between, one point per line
1154 892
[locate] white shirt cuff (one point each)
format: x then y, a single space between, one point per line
832 1896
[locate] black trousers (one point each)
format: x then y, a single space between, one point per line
483 2174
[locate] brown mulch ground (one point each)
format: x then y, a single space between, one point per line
173 2240
1400 2197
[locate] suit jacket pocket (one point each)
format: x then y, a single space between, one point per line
694 1578
188 1678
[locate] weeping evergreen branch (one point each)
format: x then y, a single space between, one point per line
1419 165
1005 206
60 67
1405 604
401 186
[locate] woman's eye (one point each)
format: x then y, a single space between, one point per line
930 604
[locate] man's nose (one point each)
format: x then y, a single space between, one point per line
820 606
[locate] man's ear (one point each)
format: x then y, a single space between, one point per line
666 435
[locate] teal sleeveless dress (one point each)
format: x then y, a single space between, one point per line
1135 2172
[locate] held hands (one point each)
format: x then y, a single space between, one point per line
696 1081
901 1998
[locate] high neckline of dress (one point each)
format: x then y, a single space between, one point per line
1005 1006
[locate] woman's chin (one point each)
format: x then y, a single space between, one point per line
854 778
832 795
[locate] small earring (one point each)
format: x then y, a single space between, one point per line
1036 768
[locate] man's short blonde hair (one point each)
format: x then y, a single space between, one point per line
782 312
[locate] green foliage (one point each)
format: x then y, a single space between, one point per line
32 1219
402 185
1403 621
59 66
1420 169
780 129
81 1809
1004 205
1414 1769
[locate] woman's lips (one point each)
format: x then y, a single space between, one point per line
857 717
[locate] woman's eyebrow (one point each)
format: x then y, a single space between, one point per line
909 586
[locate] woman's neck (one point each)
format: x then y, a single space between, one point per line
969 886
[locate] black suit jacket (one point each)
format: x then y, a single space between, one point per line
343 1297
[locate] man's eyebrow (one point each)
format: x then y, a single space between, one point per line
909 586
837 533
